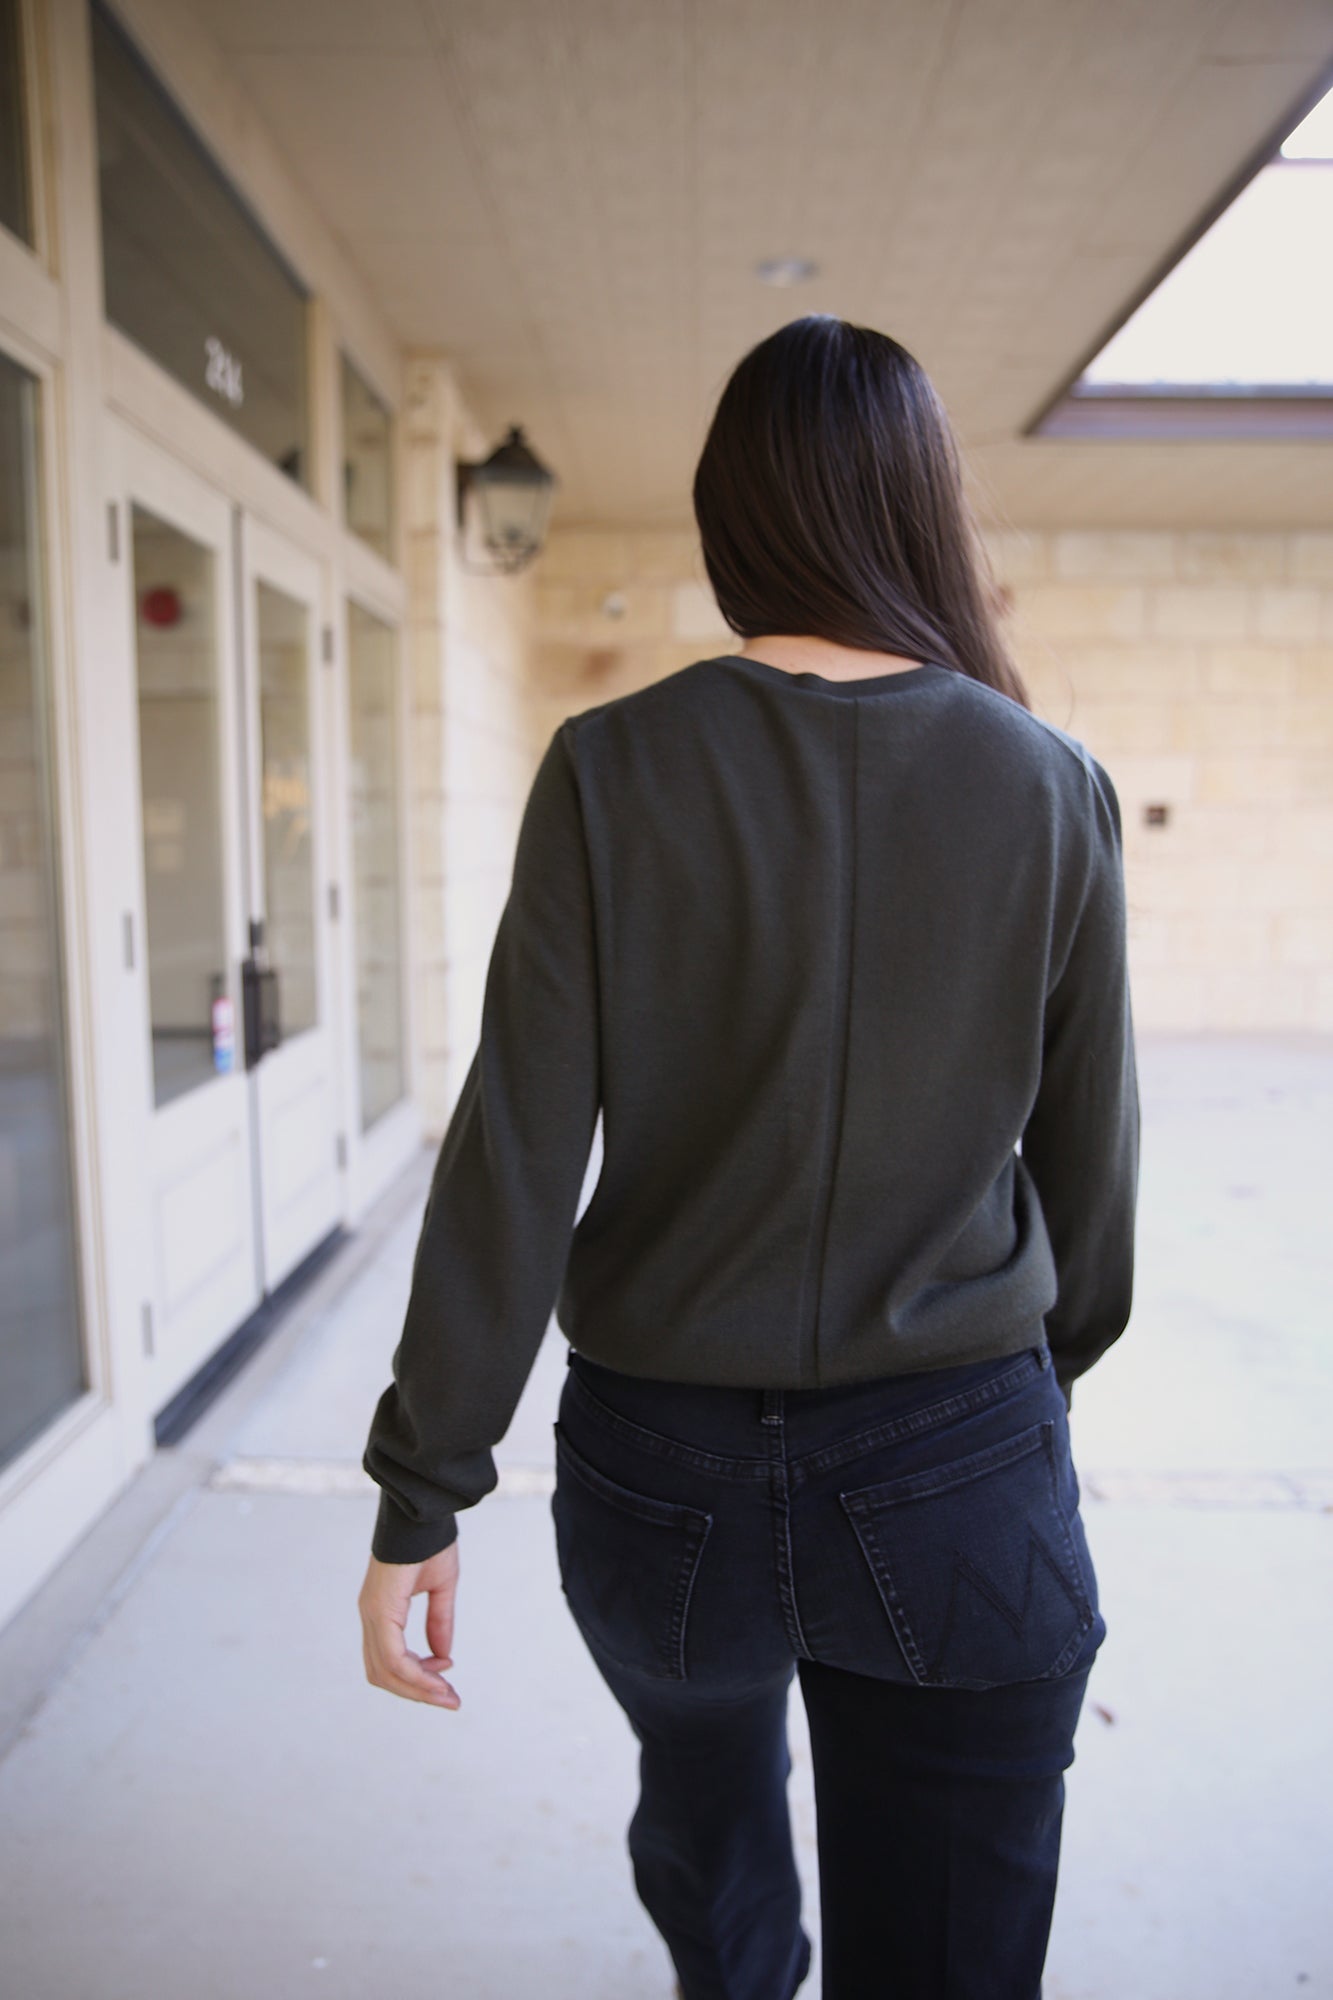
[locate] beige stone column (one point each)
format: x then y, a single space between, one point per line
473 734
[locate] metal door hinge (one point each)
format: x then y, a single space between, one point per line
112 531
146 1315
340 1150
328 645
333 902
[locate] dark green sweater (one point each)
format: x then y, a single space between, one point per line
825 955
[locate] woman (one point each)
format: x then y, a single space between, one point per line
831 931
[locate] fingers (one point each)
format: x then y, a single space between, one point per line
440 1623
402 1672
421 1680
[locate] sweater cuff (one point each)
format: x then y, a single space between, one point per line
398 1538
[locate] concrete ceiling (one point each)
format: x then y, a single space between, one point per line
570 197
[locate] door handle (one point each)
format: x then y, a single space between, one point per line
259 993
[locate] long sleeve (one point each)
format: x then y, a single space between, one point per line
499 1214
1081 1142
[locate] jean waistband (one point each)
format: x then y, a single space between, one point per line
722 1417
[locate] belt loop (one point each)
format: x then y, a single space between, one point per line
772 1412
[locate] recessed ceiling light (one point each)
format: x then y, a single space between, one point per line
786 270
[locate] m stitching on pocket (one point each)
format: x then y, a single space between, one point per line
627 1564
982 1587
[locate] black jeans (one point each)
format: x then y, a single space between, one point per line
912 1548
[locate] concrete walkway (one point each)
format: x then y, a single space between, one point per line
201 1795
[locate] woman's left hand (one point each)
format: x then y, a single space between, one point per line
385 1599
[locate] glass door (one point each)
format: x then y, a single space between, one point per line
244 1177
287 975
172 544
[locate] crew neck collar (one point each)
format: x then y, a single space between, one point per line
813 683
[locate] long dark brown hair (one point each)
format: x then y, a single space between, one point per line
830 502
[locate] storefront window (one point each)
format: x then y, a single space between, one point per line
15 192
41 1344
189 275
374 805
367 463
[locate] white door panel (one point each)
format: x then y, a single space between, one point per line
178 605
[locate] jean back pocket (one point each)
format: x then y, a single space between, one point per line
627 1564
984 1575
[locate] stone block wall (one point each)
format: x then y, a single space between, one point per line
1198 666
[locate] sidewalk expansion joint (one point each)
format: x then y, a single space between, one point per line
1309 1492
321 1477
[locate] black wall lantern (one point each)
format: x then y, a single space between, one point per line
513 497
